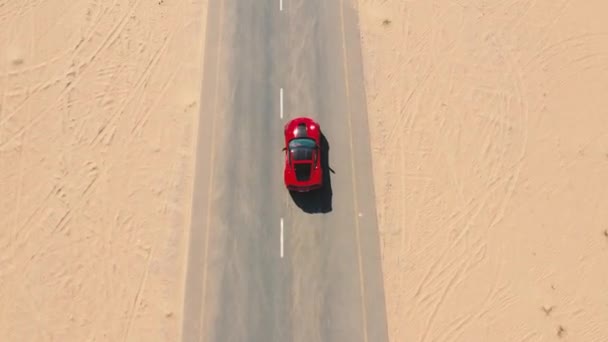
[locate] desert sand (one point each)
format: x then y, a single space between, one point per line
489 127
98 113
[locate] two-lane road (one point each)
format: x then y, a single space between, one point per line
328 284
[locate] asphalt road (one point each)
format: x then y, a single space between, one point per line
264 265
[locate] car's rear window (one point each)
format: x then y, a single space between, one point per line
302 171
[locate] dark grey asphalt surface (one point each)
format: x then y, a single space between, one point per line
328 286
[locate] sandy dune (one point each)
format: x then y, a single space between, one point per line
97 126
489 129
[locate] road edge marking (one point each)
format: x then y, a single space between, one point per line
352 161
211 171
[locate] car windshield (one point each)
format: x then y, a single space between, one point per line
302 148
302 143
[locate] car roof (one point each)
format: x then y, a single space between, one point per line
301 153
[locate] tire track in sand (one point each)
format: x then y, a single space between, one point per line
446 272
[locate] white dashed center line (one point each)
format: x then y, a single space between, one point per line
281 5
281 237
281 102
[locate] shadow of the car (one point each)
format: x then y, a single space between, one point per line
317 201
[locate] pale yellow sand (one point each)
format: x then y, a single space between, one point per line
99 104
489 123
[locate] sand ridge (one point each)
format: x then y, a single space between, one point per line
488 125
98 110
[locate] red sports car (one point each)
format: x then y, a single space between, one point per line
303 169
